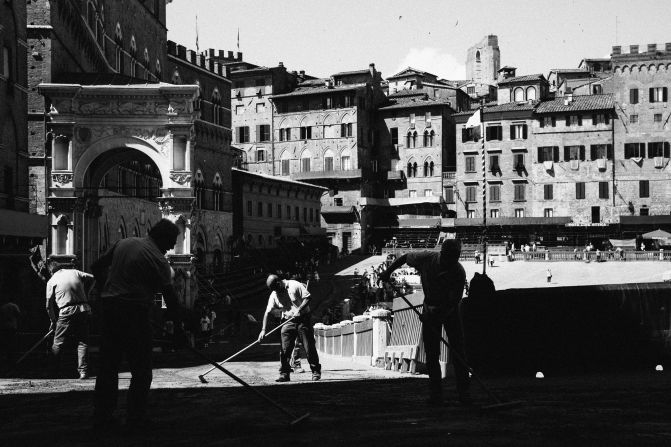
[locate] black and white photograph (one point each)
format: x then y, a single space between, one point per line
335 223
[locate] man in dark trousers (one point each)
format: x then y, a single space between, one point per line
293 298
135 270
443 280
69 311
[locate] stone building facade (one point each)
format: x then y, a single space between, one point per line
19 231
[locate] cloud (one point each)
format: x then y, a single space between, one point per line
430 59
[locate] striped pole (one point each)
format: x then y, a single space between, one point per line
484 191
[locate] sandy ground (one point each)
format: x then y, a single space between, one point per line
520 274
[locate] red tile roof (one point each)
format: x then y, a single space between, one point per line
578 103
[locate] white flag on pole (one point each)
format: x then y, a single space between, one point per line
474 120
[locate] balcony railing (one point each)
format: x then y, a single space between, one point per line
449 175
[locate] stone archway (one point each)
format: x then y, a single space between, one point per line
96 130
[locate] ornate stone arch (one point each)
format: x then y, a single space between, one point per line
530 93
105 145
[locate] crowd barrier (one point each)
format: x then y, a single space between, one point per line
362 340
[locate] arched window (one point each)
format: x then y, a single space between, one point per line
286 163
118 51
133 56
477 56
414 169
328 161
409 172
519 94
62 236
217 193
431 168
426 168
345 162
157 70
426 138
531 93
305 161
414 139
145 58
408 140
199 189
61 154
216 106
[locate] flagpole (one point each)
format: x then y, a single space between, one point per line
484 190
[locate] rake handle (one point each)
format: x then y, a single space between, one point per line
244 349
459 357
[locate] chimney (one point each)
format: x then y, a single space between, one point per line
371 68
239 56
230 55
652 47
633 49
281 64
210 52
222 54
668 47
617 50
568 96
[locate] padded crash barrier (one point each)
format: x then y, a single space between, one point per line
582 328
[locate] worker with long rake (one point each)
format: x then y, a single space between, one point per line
443 279
293 298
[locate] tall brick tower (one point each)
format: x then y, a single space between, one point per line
483 60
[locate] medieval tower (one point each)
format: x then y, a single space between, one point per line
483 60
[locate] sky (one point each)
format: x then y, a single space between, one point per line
326 37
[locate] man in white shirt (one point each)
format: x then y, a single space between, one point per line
293 298
69 311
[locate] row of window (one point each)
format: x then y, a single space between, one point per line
519 192
656 118
655 94
260 108
412 169
266 210
308 102
305 164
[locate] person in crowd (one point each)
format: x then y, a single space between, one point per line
69 310
132 271
443 279
548 275
293 298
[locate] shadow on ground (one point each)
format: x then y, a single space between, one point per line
618 409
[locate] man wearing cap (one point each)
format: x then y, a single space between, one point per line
443 280
293 298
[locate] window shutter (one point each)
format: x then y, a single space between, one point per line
651 152
633 96
555 153
641 147
594 123
541 122
258 133
524 131
652 95
554 121
609 151
567 153
592 153
582 153
568 120
512 132
665 93
579 120
540 155
607 118
666 148
628 150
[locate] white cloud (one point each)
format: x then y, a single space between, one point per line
430 59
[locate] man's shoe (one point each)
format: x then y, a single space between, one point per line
283 378
316 375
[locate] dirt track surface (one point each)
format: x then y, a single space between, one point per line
352 405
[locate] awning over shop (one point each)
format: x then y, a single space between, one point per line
15 223
419 223
623 243
338 210
645 220
512 221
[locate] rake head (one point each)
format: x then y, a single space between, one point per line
202 379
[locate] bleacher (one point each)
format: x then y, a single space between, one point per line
413 238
